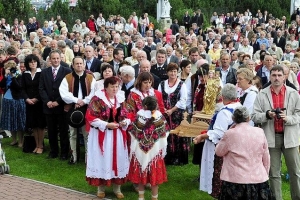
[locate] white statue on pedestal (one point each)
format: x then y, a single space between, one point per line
294 5
165 9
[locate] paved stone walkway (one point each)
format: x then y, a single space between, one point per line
17 188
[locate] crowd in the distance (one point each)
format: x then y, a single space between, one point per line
108 69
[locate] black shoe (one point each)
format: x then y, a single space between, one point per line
51 156
63 157
71 161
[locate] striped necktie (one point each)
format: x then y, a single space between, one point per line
54 73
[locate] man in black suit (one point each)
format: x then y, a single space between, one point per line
53 105
127 46
194 18
175 27
210 40
118 55
140 44
228 19
227 73
141 55
171 57
128 79
279 40
116 42
145 66
160 69
186 20
47 50
266 16
200 18
92 63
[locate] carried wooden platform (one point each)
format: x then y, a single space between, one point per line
200 122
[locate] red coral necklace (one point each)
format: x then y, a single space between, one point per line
170 86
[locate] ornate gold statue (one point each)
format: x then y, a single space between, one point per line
211 92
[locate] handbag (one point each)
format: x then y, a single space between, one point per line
28 144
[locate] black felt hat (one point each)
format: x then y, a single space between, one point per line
76 117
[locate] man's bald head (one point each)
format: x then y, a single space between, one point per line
145 66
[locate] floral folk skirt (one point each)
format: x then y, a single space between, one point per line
235 191
155 174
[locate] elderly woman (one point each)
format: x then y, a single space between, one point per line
133 58
249 180
250 64
77 26
294 43
247 92
186 68
107 153
215 51
13 116
211 164
175 100
294 67
26 45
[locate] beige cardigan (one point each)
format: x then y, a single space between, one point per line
263 103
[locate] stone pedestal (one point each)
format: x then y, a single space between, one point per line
165 23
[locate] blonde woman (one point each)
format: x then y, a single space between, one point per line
46 28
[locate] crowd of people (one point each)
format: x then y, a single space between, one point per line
123 85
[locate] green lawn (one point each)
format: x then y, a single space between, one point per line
181 184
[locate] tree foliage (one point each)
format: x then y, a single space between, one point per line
15 9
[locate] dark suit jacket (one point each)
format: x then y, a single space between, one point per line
194 19
31 86
63 64
173 59
95 66
15 87
200 20
208 44
255 46
49 89
156 81
127 91
267 18
228 20
147 50
121 46
46 52
136 69
129 47
231 76
112 64
264 80
261 20
186 20
281 43
160 72
175 28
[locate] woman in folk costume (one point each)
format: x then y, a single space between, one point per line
107 153
211 164
148 148
143 87
174 97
